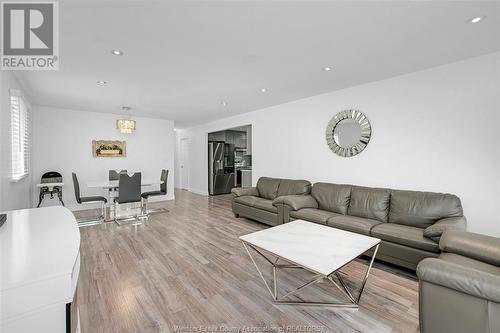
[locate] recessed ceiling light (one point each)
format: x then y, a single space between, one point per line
224 103
117 52
476 19
263 90
101 82
327 68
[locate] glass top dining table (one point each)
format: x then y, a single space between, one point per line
107 184
114 184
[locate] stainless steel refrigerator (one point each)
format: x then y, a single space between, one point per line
220 168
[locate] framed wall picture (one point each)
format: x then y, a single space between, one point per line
109 148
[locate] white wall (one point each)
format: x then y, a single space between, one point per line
433 130
63 143
13 195
177 181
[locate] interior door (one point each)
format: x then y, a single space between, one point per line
184 183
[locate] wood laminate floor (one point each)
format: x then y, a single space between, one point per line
186 271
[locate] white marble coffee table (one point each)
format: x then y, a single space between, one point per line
319 249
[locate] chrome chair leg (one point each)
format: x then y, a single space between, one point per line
137 218
144 209
148 212
84 222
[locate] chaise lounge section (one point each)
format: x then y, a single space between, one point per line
409 223
256 203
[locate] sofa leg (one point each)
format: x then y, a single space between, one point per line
237 216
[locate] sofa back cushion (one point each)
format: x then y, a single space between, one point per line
370 203
332 197
422 209
268 187
294 187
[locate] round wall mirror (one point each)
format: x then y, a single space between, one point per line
348 133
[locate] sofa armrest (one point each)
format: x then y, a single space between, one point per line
480 247
296 202
243 191
460 278
448 223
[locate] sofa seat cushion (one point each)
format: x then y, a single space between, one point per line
404 235
265 205
247 200
313 215
353 223
256 202
470 263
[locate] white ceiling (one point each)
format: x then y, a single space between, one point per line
182 59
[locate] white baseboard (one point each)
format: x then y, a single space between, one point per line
200 192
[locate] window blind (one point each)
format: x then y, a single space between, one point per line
20 135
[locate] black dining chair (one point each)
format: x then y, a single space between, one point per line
162 191
87 200
115 174
129 192
50 177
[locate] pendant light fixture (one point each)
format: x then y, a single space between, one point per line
127 125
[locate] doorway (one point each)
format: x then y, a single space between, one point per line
184 164
229 159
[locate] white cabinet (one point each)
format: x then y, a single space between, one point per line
246 178
40 257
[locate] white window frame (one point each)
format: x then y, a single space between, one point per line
20 135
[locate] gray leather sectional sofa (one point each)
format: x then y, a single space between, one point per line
409 223
460 290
